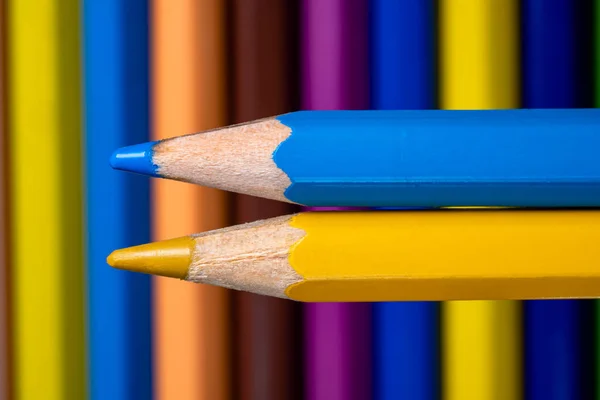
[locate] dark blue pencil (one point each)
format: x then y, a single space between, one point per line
116 113
402 69
555 344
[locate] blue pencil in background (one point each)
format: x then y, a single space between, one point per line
558 334
402 65
116 114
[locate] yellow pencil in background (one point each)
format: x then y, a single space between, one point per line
479 69
5 358
44 129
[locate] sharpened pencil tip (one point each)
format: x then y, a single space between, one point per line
136 158
170 258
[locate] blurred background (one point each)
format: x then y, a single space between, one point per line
80 78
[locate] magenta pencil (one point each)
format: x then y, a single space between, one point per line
334 76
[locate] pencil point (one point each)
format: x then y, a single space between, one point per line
136 158
170 258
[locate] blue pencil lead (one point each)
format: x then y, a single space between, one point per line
136 158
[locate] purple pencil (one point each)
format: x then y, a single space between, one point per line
335 76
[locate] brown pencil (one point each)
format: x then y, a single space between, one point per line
263 50
4 326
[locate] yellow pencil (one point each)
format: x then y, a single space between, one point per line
479 68
44 129
390 256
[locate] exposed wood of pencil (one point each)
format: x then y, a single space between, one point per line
390 256
5 383
263 86
191 322
223 158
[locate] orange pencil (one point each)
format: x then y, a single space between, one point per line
190 322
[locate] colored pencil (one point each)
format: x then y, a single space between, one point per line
191 324
5 332
535 158
401 31
382 256
264 84
334 75
116 113
405 334
556 340
596 87
45 129
481 340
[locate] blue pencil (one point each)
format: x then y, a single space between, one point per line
116 113
402 68
555 340
402 46
392 158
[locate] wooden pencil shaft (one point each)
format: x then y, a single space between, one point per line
527 158
386 256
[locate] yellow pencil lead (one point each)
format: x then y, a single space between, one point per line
169 258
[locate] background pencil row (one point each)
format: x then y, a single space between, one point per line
79 79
